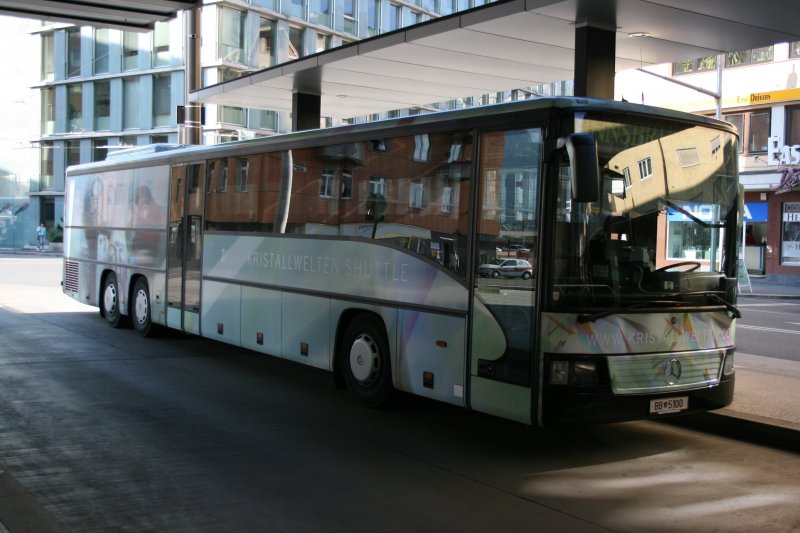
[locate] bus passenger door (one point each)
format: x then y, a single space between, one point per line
504 343
185 250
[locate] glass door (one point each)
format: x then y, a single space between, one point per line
184 259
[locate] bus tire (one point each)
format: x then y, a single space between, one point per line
110 302
141 318
366 363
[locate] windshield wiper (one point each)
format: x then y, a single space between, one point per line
711 295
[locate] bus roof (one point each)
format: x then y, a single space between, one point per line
167 153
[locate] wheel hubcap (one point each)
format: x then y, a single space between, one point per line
141 307
364 359
110 298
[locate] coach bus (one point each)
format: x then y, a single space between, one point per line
552 261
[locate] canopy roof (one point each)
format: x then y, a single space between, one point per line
139 15
506 45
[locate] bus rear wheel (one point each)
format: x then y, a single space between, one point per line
142 321
110 302
365 360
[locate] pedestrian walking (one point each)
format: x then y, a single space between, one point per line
41 237
454 262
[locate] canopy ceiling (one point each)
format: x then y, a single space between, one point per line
139 15
502 46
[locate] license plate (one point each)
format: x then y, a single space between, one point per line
664 406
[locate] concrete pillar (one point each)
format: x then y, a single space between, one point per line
595 49
306 111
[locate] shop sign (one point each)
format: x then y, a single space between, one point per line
790 234
790 178
780 154
791 212
704 212
755 212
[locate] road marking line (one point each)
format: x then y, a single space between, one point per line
760 328
776 304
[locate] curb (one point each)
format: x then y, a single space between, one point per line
744 427
770 296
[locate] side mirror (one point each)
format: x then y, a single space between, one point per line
584 166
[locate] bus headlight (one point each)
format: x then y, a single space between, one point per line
574 372
727 368
585 373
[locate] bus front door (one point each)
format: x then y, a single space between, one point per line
184 258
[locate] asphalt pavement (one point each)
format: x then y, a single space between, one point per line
765 407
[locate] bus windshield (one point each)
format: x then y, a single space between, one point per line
663 229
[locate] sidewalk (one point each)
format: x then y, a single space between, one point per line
766 405
764 289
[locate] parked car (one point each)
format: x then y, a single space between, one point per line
507 268
519 251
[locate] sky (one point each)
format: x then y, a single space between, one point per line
19 111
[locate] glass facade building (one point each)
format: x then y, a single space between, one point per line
105 89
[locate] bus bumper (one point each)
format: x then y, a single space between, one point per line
570 406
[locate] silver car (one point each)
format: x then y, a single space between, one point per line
507 268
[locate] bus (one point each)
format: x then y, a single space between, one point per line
550 261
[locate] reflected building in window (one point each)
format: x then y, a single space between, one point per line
761 98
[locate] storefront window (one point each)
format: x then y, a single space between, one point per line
790 234
686 238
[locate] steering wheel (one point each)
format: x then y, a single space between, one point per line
694 264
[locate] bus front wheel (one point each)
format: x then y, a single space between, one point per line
142 321
110 301
366 362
